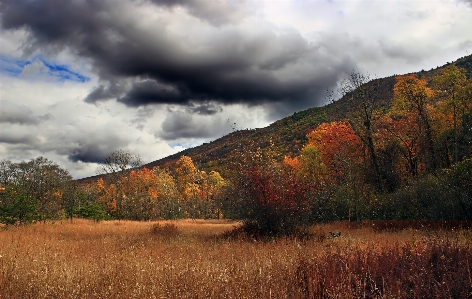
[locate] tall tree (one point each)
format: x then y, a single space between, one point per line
341 153
450 85
186 172
411 92
189 181
108 197
140 194
364 108
400 126
169 197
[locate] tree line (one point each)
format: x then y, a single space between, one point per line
407 158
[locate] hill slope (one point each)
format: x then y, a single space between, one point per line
288 134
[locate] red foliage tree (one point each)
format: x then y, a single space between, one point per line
341 149
271 198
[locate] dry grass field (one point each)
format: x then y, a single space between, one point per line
191 259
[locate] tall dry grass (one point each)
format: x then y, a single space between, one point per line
189 259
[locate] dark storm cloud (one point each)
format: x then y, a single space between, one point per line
204 108
94 148
180 124
141 62
149 92
52 21
214 12
90 153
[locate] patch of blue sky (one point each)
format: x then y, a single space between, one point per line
179 145
63 73
12 66
186 145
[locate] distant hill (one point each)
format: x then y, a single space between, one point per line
288 134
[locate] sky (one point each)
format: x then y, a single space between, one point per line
80 79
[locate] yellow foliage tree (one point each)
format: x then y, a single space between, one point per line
412 93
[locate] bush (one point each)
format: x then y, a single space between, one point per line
459 184
270 199
446 195
91 211
168 230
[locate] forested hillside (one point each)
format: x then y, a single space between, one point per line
393 148
289 134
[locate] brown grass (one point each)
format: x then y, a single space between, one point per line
186 259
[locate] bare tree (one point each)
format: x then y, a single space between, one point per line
118 162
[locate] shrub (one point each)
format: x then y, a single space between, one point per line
168 230
91 211
459 184
435 269
271 201
445 195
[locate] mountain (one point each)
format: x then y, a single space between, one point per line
288 135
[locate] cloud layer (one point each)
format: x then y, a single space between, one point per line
82 78
184 53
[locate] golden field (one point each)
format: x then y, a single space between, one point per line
192 259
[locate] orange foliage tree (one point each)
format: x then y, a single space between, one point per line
400 128
139 193
362 109
199 190
188 182
340 148
342 156
107 196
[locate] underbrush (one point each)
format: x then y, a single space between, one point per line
251 231
168 230
431 269
398 225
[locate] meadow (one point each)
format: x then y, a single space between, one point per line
200 259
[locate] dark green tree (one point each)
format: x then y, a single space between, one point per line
17 207
40 180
